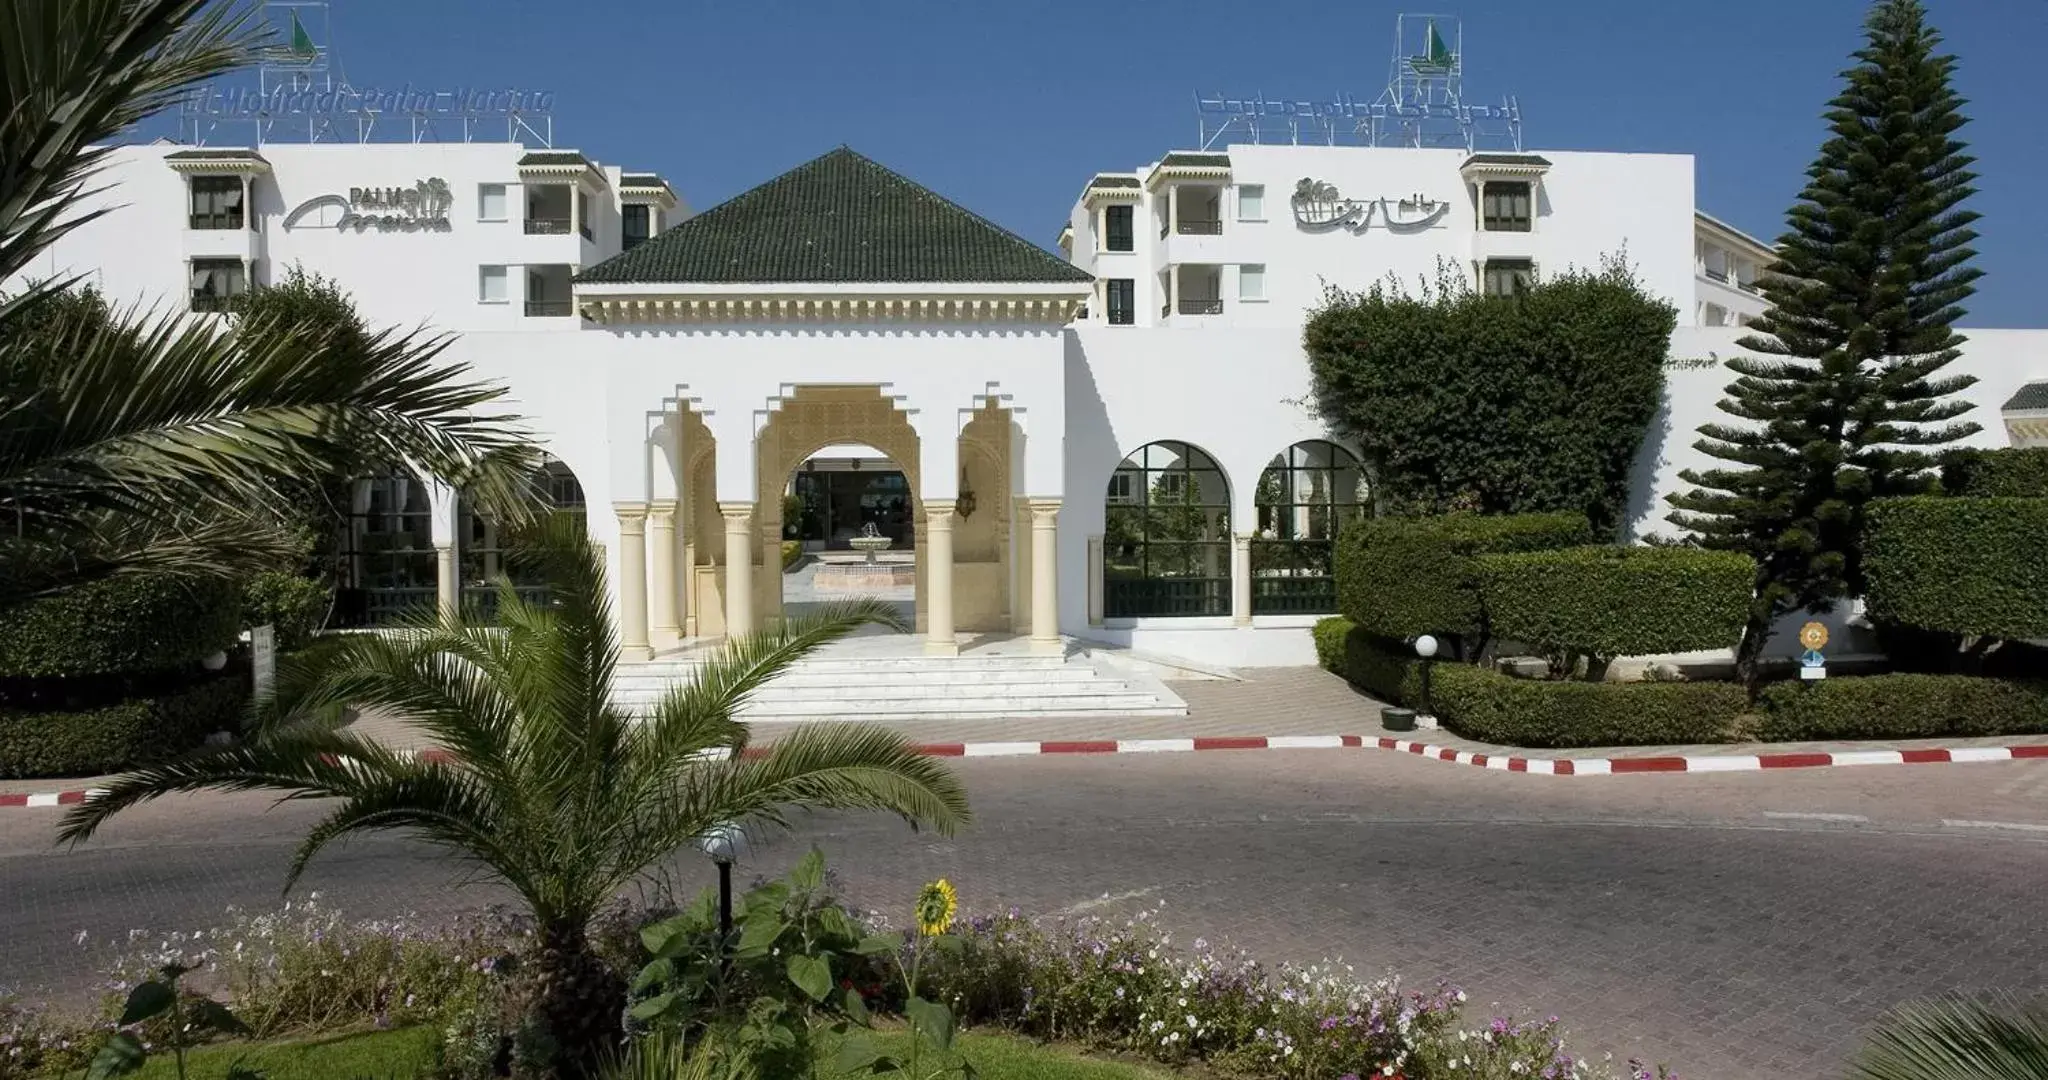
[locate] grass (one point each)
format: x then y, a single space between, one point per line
404 1053
369 1055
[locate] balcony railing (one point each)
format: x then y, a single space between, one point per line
547 226
1747 286
1200 307
228 220
1199 227
550 308
587 234
1717 275
214 301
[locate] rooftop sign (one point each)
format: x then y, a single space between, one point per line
242 103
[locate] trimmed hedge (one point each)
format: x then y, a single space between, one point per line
792 550
119 736
1959 565
1903 707
293 604
1387 670
1618 601
1489 706
1403 577
2012 472
120 626
1329 637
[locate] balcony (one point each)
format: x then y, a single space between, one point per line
214 302
1716 275
223 219
538 226
1188 226
1200 307
548 291
550 309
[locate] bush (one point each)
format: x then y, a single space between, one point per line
118 736
1388 670
1537 402
294 604
1491 707
2012 472
1329 636
792 550
1959 565
1607 601
121 625
1402 577
1903 707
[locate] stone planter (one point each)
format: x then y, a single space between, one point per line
1394 719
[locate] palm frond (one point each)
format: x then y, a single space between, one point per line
436 803
1959 1038
220 543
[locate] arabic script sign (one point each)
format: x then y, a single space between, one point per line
1319 205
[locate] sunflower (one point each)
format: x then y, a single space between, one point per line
935 906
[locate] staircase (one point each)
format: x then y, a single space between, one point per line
886 678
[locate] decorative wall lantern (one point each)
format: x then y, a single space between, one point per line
966 503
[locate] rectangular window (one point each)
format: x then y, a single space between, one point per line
1119 232
635 225
1251 281
1506 207
1120 488
492 285
217 202
1123 301
490 202
216 283
1251 202
1507 277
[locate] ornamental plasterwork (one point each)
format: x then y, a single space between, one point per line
620 310
1319 205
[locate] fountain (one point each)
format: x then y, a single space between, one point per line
870 540
872 572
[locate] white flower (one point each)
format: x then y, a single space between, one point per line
1191 1019
1517 1067
1461 996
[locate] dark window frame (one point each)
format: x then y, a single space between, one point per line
633 233
1294 550
1120 236
1522 271
1507 206
217 296
215 202
1165 555
1120 296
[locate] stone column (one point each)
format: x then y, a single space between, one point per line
739 567
1045 595
664 630
444 521
939 639
633 581
1241 579
447 582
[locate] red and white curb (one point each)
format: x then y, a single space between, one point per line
1563 766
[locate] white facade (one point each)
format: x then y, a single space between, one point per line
682 408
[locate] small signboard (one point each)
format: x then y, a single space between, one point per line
1814 635
1813 665
263 659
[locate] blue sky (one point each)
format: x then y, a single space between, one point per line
1008 108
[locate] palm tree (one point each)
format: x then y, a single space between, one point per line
550 787
164 443
1959 1038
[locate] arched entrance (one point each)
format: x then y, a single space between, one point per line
848 530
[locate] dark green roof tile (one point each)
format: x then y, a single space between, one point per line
641 179
839 218
2034 395
213 155
1114 182
1536 160
553 157
1189 160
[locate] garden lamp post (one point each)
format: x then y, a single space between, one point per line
1425 647
721 842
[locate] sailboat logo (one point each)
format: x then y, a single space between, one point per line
300 48
1439 60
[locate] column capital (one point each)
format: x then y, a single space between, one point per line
1044 511
661 507
630 511
939 513
736 511
1242 540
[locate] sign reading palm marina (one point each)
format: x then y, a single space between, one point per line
1319 205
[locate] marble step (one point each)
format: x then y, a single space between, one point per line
805 677
781 691
1128 703
860 664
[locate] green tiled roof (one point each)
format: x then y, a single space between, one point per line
838 218
1101 181
1195 161
1508 159
213 155
641 179
553 157
2034 395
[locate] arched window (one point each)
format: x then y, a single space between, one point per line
1304 497
486 550
1166 535
387 564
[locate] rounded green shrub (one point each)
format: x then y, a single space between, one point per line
2009 472
1618 601
1329 637
1902 706
127 625
294 604
1959 565
119 736
1496 708
1402 577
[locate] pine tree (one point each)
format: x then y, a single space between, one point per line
1870 278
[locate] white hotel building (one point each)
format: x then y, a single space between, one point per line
682 369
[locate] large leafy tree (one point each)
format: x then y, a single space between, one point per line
157 442
549 786
1870 280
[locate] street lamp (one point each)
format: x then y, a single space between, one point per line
1425 647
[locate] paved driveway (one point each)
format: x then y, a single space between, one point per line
1738 926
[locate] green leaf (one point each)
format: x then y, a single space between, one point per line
214 1016
759 933
147 1000
932 1020
123 1054
666 938
812 975
834 923
809 874
779 1036
654 1007
949 943
241 1070
856 1054
879 944
653 975
857 1008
